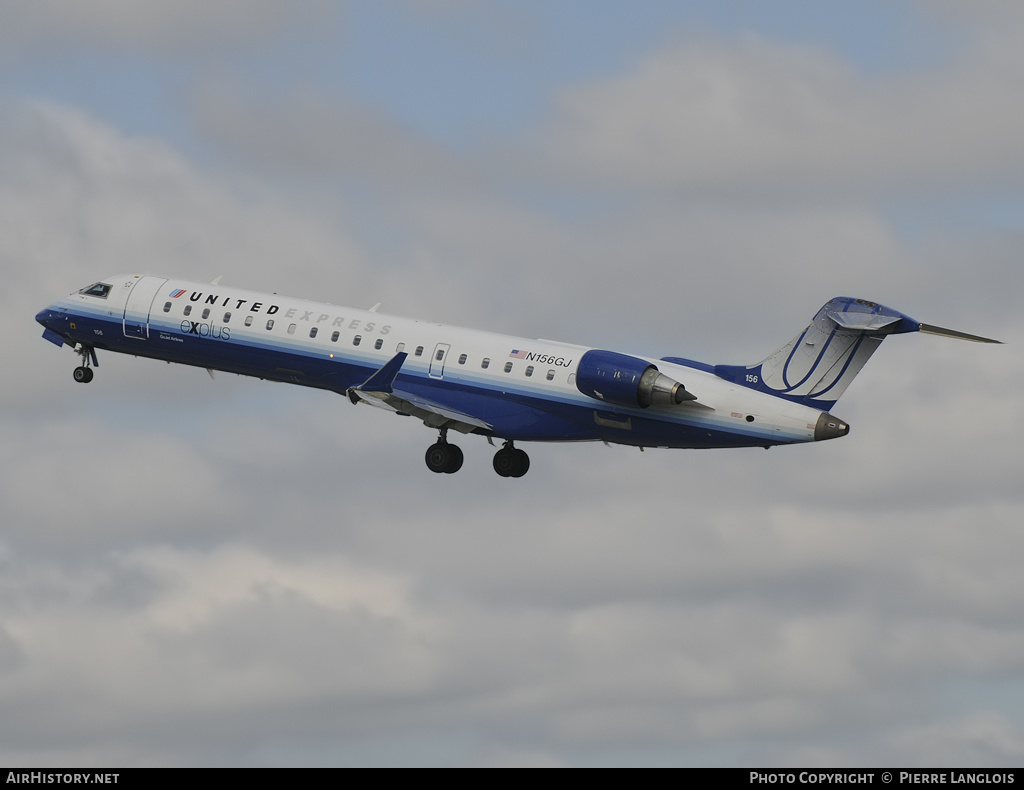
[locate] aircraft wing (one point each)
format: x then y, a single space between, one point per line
379 390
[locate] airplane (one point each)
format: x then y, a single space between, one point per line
473 382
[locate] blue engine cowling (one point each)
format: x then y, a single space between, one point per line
627 381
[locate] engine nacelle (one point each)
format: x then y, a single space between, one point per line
627 381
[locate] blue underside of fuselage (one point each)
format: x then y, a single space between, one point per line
514 415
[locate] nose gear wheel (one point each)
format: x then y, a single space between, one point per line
83 373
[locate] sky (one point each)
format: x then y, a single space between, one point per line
229 572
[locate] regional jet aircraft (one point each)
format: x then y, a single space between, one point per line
472 382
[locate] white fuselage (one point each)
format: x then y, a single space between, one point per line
496 385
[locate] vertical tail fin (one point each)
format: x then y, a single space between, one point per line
817 366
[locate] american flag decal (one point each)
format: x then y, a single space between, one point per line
176 294
517 354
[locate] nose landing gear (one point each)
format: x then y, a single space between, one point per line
83 373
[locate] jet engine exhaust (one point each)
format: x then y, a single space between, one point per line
657 389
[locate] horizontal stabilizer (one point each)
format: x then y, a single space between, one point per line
938 330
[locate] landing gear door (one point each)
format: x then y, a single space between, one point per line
437 361
139 306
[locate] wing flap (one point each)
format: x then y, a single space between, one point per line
433 414
379 391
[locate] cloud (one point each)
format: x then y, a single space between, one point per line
79 194
322 136
979 738
750 114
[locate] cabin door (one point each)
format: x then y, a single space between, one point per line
139 305
437 360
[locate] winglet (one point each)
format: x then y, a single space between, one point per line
384 379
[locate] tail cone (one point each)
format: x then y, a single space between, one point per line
829 427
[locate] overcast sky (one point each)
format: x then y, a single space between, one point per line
234 572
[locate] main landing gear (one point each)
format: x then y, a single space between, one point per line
444 458
83 373
510 462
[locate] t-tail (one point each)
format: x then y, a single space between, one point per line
816 366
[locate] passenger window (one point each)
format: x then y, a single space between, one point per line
335 336
167 307
248 320
486 363
357 340
529 370
508 367
419 351
551 375
400 348
188 309
440 354
379 344
312 332
291 329
227 317
206 313
462 359
270 324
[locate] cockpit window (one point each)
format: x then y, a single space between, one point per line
99 289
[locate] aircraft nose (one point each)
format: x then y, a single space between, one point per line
50 318
53 325
829 427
